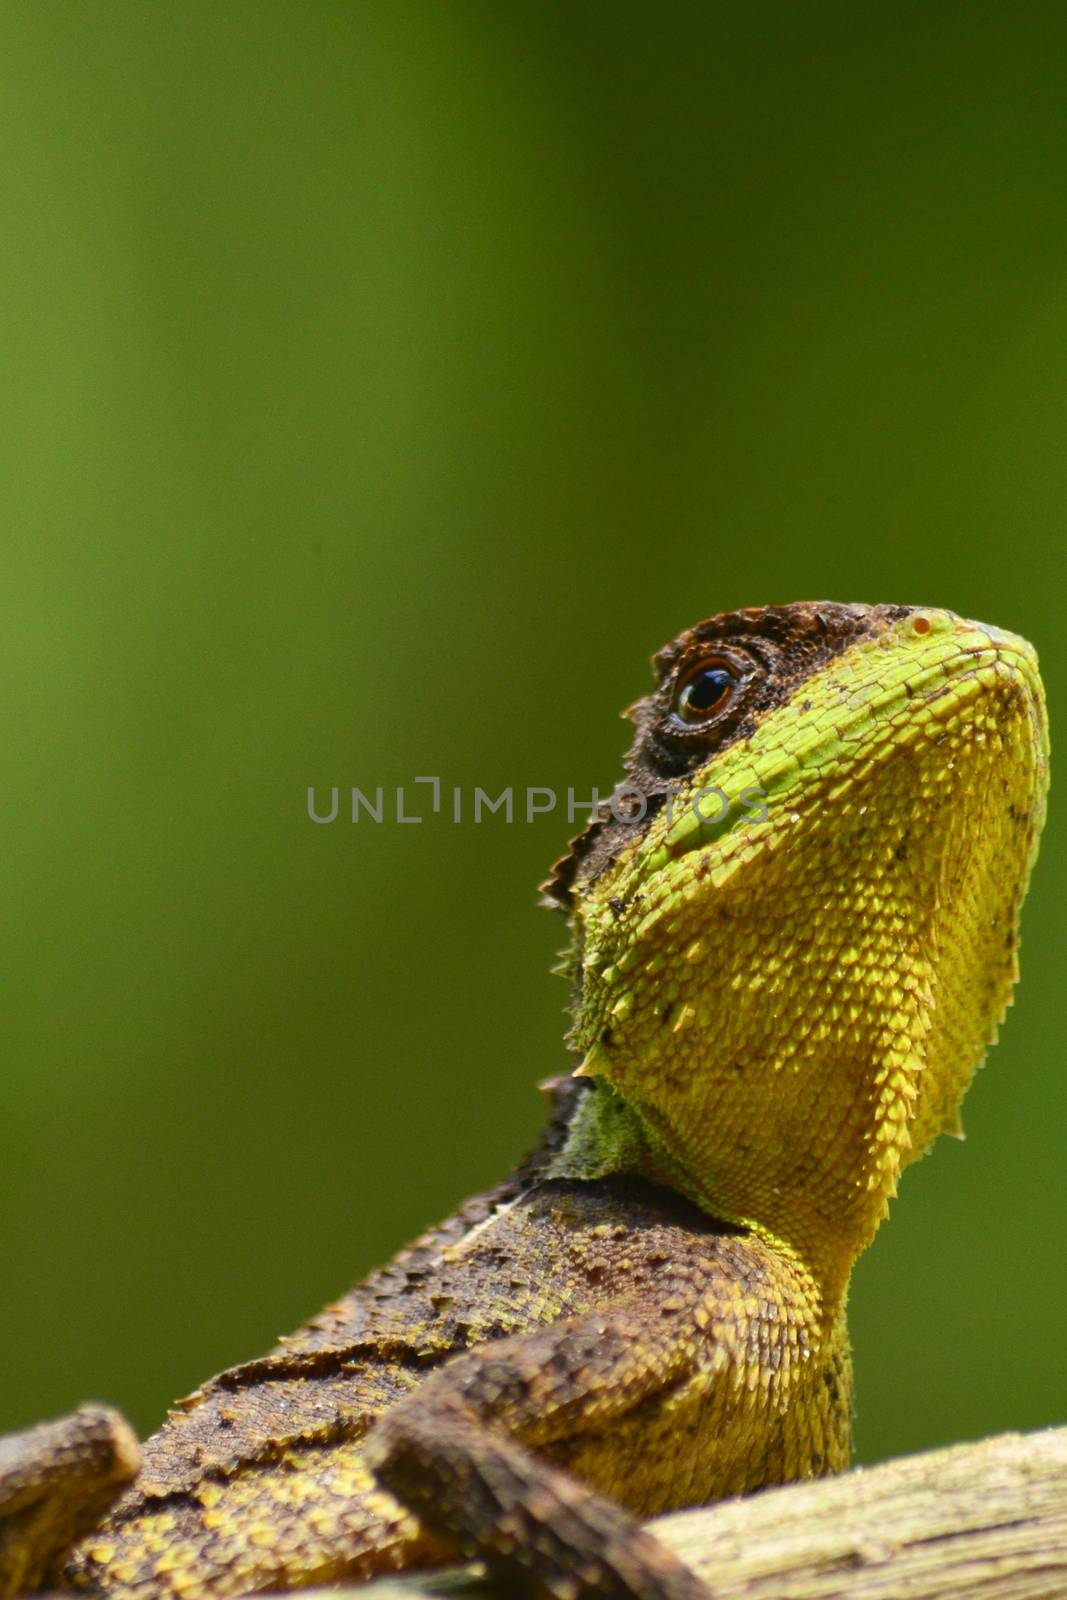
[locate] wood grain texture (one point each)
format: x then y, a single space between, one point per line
985 1521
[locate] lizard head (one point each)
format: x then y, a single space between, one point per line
796 926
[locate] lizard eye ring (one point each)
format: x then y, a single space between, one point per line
704 690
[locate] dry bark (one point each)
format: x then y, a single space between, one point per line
987 1521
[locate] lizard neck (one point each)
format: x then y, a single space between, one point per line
607 1137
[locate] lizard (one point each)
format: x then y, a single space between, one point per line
777 1003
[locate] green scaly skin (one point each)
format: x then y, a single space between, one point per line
781 992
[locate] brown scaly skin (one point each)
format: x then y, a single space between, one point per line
773 1017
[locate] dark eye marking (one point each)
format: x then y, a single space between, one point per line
705 689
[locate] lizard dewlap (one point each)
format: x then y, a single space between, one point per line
793 941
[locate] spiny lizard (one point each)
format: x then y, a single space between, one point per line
794 936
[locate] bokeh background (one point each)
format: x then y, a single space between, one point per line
381 384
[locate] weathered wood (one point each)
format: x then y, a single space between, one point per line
983 1521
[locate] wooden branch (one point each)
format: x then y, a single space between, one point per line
983 1521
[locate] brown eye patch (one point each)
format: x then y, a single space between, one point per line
769 651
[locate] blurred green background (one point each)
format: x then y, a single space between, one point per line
382 382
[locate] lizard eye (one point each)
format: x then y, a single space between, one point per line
705 690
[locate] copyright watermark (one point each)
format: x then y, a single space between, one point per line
406 804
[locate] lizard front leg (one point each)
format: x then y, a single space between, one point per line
471 1452
56 1481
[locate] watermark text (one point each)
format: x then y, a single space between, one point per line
407 805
